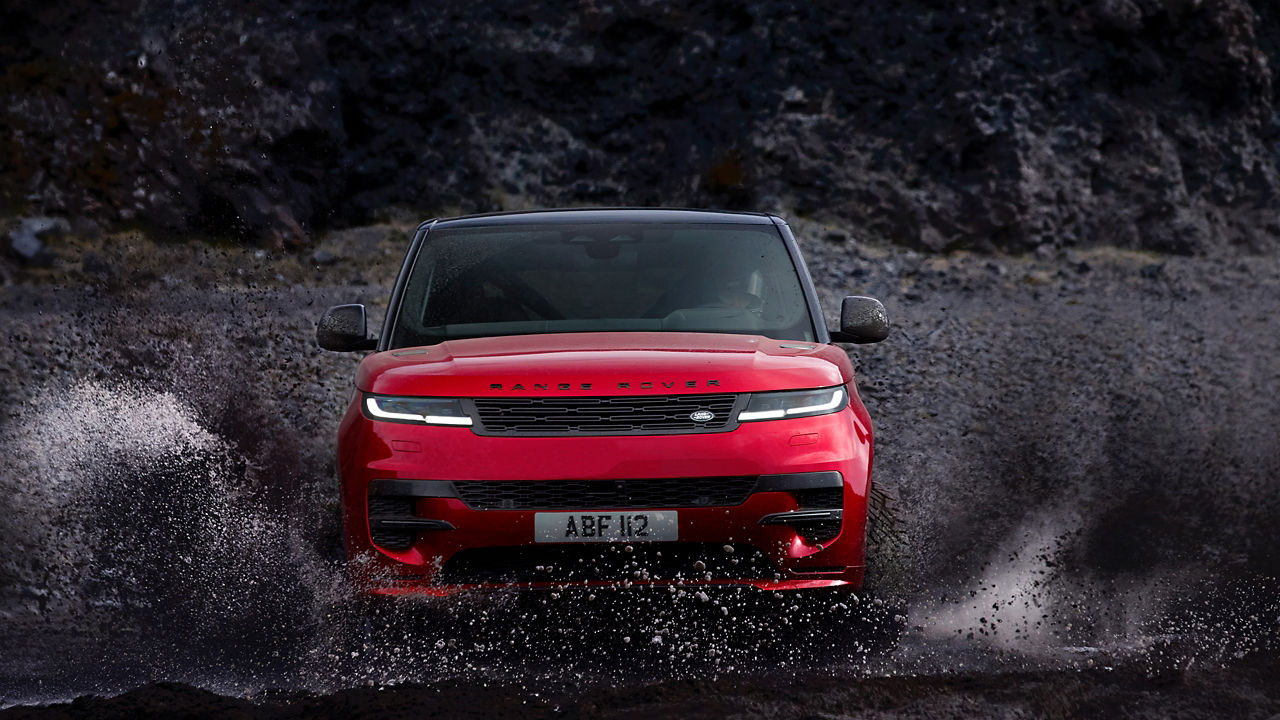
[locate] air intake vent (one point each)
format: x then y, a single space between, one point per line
630 415
390 508
605 494
831 498
820 499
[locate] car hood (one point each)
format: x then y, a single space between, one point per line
625 363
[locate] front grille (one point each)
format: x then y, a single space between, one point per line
605 494
610 563
634 415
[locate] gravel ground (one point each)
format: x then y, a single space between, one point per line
1084 443
1239 692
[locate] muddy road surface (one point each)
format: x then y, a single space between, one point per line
1086 447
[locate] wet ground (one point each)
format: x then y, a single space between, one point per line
1085 447
1241 691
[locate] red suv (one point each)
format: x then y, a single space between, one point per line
604 397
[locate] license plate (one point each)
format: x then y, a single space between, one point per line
552 527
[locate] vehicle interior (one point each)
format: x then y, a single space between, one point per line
479 282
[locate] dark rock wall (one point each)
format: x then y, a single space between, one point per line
985 124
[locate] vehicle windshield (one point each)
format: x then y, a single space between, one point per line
516 280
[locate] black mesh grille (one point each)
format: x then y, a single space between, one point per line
390 508
642 414
820 498
605 494
819 532
611 562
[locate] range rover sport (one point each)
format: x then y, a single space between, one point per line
604 398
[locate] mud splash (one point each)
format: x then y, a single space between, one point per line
139 549
148 557
168 508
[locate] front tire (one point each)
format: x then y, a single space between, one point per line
886 544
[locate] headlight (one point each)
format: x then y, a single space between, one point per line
800 403
416 410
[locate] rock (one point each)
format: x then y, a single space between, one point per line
24 243
836 235
85 227
92 263
932 240
284 229
793 98
26 240
1127 122
323 257
1122 15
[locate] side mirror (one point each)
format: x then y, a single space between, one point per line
862 320
343 329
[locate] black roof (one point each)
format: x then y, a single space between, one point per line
606 215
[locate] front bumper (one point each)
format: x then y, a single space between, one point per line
454 547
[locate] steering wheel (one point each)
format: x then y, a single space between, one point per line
737 300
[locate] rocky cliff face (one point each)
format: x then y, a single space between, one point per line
984 124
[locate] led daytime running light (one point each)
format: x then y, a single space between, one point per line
837 397
372 404
761 415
